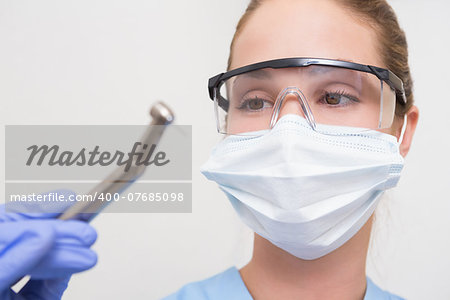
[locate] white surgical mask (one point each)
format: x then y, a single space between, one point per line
306 192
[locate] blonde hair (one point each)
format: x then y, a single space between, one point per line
381 17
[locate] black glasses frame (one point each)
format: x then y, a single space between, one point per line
385 75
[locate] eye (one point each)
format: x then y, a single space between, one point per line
255 104
333 99
338 99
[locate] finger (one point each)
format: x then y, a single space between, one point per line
22 246
64 261
72 231
50 289
69 253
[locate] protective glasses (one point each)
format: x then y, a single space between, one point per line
326 92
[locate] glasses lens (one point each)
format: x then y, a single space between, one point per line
335 96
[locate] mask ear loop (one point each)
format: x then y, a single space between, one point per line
303 103
405 122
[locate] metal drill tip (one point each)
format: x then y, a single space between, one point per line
161 113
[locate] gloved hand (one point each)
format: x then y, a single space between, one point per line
48 250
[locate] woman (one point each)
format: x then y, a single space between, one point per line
314 137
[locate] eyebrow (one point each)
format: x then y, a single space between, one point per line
310 70
257 74
335 68
320 69
343 59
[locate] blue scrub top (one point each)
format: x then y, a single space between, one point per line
229 285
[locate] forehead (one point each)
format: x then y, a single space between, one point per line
305 28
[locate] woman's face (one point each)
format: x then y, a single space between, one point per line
306 28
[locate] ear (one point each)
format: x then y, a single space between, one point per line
412 117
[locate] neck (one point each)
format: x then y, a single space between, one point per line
273 273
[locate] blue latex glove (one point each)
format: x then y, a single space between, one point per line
48 250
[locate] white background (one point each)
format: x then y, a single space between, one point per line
105 62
